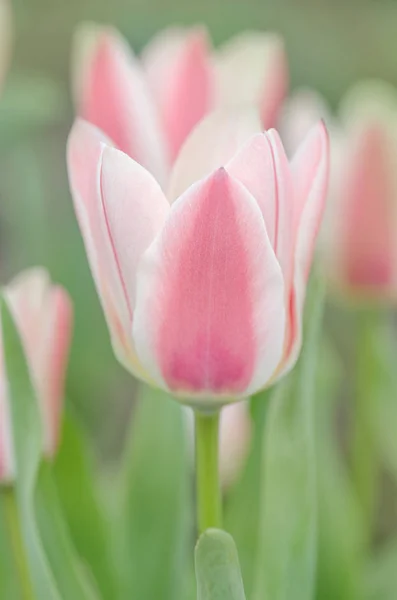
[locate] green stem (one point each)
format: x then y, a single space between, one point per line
208 491
14 533
364 455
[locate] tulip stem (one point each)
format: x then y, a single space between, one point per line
16 544
208 490
364 455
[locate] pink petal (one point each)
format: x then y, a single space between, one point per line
252 69
310 169
112 93
210 311
85 149
211 145
180 74
135 210
254 167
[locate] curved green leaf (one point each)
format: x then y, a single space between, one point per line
287 545
156 501
217 567
81 502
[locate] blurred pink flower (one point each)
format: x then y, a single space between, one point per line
5 38
361 244
234 441
203 289
43 315
148 106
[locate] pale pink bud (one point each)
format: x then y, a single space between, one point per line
203 296
43 316
362 244
234 441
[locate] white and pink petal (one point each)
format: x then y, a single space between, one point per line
210 314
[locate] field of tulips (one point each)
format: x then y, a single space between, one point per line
198 262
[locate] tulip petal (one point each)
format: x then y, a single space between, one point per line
254 167
310 169
210 314
180 74
252 69
135 211
85 149
211 145
112 93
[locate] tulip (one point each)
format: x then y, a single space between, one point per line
148 106
43 316
5 38
361 250
203 289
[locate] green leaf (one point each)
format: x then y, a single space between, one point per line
27 438
53 549
217 567
156 507
380 575
341 531
74 581
287 545
89 525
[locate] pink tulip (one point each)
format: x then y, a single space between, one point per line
362 244
203 289
43 315
148 107
5 38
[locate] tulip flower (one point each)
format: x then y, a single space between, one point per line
203 288
5 38
43 316
148 106
361 243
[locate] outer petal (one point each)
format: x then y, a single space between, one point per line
210 313
180 74
252 69
85 149
135 210
111 92
310 169
211 145
5 38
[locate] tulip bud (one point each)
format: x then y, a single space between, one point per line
361 246
43 316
